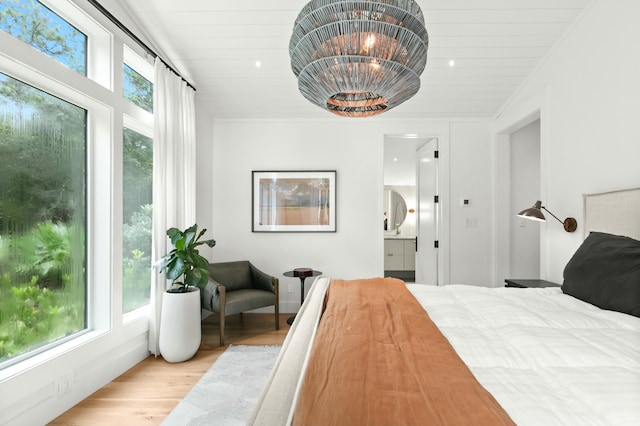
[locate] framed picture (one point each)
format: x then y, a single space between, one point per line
294 201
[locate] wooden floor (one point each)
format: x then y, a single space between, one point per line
146 394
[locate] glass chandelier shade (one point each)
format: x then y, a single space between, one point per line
359 58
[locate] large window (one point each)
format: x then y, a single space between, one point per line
42 218
43 200
60 183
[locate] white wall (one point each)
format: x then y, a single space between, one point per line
471 226
354 148
587 93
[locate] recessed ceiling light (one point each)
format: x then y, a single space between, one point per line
258 64
395 160
452 63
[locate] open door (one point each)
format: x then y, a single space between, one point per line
428 214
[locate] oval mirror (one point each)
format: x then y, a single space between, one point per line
395 211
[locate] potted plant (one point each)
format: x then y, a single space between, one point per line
180 332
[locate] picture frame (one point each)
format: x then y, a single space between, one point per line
293 201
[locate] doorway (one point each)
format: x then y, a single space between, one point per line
404 258
519 184
524 235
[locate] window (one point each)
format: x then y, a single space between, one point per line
138 219
67 163
42 218
138 89
36 25
137 158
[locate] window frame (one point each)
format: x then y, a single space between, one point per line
100 41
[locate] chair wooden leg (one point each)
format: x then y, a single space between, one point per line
277 305
223 300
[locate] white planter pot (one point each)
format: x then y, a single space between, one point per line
180 332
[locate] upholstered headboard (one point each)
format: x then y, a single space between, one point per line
613 212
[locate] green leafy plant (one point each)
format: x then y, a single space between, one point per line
185 259
32 316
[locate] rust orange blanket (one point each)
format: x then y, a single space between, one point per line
378 359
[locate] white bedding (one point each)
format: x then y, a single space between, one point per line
547 358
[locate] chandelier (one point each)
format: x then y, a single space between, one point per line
359 58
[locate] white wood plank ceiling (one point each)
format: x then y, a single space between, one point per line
215 44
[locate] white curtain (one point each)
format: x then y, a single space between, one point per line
174 179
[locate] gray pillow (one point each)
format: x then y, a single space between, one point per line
605 271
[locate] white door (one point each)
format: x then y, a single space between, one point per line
428 212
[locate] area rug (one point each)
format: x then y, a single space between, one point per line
228 391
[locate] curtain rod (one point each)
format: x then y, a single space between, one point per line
135 38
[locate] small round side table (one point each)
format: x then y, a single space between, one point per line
301 273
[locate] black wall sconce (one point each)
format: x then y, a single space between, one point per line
535 213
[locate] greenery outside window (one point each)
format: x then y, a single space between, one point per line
43 284
138 219
137 89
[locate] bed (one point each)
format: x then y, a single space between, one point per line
377 351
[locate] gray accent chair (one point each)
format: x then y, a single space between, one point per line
236 287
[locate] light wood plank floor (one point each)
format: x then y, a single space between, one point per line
146 394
